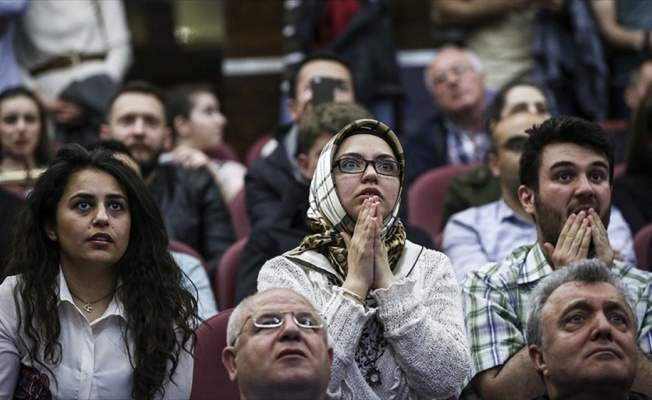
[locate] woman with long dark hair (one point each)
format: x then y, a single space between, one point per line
94 306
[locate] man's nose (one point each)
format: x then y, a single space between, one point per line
584 186
139 127
289 328
601 329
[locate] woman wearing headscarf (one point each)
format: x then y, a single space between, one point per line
393 308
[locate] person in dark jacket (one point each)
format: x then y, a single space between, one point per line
269 179
189 200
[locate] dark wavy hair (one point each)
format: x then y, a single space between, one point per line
639 157
43 151
562 130
161 313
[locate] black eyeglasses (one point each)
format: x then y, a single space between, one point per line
305 319
359 165
515 143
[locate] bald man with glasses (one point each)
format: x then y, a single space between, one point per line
278 347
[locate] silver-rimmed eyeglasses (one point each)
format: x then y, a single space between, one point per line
351 165
305 319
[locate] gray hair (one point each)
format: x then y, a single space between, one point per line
236 321
585 271
240 314
476 63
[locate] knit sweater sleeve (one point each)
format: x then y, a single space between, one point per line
423 324
424 312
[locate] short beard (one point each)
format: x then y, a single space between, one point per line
147 167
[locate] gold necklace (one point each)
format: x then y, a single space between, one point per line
88 306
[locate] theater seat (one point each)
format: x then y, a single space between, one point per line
426 198
210 378
226 275
641 242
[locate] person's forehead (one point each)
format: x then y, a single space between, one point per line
279 300
516 124
364 143
570 152
323 68
20 101
524 93
141 103
449 57
596 293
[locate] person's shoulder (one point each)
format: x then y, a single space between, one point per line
632 275
475 213
503 273
7 288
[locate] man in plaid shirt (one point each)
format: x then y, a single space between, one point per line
566 173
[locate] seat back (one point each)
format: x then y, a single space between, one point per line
210 377
426 198
223 152
227 274
239 217
256 148
642 240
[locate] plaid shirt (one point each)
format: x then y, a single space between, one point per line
496 305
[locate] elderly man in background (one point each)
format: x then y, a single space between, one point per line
278 347
455 133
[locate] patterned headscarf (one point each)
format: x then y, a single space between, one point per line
326 214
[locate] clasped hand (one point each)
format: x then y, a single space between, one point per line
579 231
368 264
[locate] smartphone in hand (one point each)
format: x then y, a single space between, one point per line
322 90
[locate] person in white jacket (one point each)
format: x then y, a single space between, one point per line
393 308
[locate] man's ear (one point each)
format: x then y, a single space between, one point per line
492 163
330 355
302 162
105 134
228 359
526 197
180 125
536 356
629 95
291 108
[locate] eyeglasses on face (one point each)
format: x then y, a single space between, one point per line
455 70
515 143
351 165
305 319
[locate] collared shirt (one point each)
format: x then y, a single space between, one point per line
195 279
465 147
489 233
94 359
496 303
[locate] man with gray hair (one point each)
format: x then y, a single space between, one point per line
455 133
582 333
278 347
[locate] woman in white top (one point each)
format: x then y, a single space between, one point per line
95 306
393 308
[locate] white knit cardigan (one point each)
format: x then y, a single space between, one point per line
427 354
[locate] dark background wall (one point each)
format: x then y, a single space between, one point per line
213 40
